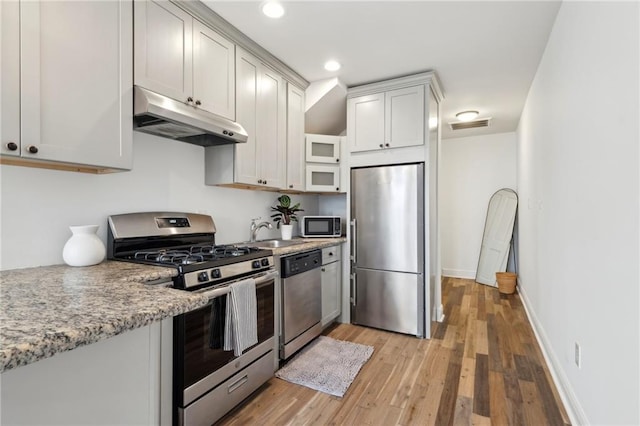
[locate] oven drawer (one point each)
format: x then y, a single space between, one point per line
215 404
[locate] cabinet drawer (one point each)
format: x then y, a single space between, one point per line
230 393
331 254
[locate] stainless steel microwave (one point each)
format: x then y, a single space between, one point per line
321 226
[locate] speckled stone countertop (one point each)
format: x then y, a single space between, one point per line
52 309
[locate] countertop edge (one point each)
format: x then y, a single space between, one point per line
19 348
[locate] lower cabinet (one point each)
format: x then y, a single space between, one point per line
117 381
331 274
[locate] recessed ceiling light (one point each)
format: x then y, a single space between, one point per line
273 9
466 115
332 65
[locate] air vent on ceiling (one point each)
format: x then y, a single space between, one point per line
460 125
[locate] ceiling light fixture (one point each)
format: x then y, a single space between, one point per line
467 115
273 9
332 65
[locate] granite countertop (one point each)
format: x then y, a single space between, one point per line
52 309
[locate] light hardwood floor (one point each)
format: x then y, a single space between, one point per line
482 366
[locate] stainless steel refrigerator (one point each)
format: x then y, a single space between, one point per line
387 275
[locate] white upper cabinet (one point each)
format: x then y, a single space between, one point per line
179 57
404 117
75 84
261 108
323 149
365 122
295 138
10 78
213 71
387 119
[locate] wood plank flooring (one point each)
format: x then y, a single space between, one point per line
483 366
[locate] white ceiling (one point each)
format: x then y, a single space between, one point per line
485 53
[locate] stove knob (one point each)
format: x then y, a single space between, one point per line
202 277
215 273
265 262
255 264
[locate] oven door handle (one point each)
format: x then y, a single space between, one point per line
261 280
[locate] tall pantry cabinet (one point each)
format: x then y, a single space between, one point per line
66 84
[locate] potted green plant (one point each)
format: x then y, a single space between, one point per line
286 213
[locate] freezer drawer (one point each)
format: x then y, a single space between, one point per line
389 301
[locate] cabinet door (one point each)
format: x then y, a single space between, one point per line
213 71
163 49
246 154
323 178
331 290
365 121
323 149
295 138
405 117
76 97
10 77
272 127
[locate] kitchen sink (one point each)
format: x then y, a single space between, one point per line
275 243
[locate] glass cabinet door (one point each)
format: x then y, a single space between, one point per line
323 149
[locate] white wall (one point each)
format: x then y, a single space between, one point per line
578 179
38 206
472 169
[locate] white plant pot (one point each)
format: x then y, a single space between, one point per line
286 231
84 248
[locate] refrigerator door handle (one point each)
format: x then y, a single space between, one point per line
353 289
353 241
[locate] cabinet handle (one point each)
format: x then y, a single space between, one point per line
330 253
12 146
381 146
198 102
264 181
337 188
323 269
291 186
387 145
259 180
337 160
32 149
189 99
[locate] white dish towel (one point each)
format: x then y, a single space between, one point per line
241 320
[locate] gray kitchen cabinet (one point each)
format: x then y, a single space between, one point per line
261 109
387 119
295 139
331 278
182 58
123 380
67 85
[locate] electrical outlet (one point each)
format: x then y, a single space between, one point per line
578 355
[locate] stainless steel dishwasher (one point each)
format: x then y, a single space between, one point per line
301 301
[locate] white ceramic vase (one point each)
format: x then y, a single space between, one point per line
286 231
84 248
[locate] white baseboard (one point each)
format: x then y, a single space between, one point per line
458 273
577 416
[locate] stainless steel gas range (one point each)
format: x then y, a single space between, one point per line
208 381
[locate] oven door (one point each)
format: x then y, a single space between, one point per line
200 363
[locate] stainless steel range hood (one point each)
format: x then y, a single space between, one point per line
162 116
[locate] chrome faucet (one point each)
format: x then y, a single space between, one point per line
256 227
